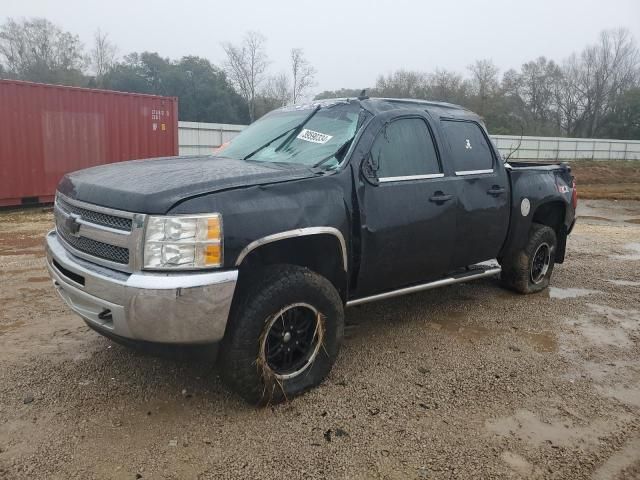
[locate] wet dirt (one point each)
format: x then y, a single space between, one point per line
593 217
38 279
469 381
455 324
618 211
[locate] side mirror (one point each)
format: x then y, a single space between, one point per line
369 169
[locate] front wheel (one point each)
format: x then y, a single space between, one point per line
283 336
529 270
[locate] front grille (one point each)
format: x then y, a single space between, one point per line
99 218
95 248
82 227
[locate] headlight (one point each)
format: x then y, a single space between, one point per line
183 242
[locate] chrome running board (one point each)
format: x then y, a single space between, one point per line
485 269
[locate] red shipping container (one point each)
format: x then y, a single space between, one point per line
49 130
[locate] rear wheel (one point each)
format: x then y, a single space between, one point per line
529 270
284 335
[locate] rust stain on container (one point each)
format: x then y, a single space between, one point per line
49 130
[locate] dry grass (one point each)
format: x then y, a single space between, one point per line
616 180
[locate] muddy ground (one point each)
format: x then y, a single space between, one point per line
469 381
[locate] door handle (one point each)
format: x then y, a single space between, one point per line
440 197
496 190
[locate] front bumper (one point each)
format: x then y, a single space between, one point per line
185 308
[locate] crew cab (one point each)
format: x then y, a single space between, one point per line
314 208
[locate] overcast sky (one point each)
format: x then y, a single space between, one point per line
349 42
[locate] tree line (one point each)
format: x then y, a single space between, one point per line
239 91
592 93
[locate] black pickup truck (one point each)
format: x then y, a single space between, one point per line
313 208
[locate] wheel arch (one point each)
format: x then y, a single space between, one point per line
320 249
552 214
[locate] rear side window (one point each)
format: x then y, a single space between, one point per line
468 145
405 148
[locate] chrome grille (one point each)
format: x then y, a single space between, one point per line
111 221
93 247
105 236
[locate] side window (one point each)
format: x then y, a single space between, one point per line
468 146
405 148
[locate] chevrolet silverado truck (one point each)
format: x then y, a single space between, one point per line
260 248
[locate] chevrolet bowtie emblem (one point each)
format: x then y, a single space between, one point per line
72 225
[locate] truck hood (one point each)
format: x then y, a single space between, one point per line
154 185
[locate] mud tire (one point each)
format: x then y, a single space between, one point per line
517 267
241 358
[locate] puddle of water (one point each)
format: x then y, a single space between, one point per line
607 326
625 283
619 461
520 465
623 393
453 324
602 335
562 293
542 342
634 247
526 426
626 319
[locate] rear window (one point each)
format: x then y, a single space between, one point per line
469 147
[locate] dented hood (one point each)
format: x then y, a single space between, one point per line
154 185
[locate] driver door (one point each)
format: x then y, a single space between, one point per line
409 217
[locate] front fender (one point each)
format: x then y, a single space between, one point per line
258 214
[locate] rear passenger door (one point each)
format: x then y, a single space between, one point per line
482 188
408 218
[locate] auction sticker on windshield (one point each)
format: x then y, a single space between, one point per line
314 137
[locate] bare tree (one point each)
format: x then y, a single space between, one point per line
246 65
303 74
103 55
593 81
402 84
38 50
277 88
446 86
537 83
484 80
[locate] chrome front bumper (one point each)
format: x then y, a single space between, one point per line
184 308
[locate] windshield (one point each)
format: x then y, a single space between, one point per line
300 135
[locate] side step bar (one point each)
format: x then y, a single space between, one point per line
476 271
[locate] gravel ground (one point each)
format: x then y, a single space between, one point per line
469 381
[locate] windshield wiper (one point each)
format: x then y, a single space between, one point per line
297 129
334 154
294 131
262 147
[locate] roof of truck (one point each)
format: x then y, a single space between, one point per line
438 109
380 105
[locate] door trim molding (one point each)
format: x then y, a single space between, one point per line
473 172
410 177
